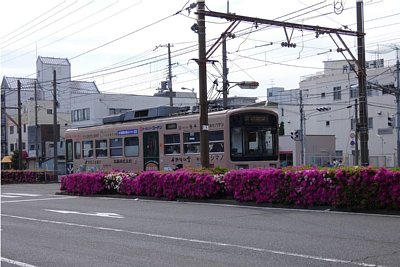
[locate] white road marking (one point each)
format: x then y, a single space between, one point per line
22 194
8 196
18 263
38 199
198 241
99 214
239 206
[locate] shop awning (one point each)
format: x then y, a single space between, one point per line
6 159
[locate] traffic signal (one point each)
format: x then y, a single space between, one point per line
390 122
295 135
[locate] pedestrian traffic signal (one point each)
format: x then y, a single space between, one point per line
390 122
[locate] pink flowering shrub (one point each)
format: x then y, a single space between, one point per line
348 188
273 187
26 176
341 187
150 184
127 185
311 187
192 185
243 184
83 183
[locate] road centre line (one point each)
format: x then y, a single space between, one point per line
38 199
18 263
198 241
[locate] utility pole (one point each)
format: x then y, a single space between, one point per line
19 128
36 130
204 153
224 75
55 135
225 70
170 76
356 135
398 106
302 136
361 85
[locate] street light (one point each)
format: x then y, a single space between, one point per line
242 85
192 90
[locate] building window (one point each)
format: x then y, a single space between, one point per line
282 112
12 148
24 128
353 124
370 123
32 147
23 145
12 129
49 111
322 95
353 92
337 94
327 123
80 114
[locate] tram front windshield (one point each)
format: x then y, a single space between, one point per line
253 137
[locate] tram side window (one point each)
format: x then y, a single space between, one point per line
216 141
191 142
131 146
77 150
88 149
172 144
69 150
101 148
116 147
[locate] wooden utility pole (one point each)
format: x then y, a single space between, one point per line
171 102
55 134
362 80
19 128
201 24
36 130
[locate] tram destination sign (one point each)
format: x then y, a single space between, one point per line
127 132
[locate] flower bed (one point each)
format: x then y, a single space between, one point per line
342 187
26 176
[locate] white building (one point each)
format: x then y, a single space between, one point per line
329 99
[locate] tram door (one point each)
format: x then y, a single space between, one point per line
151 151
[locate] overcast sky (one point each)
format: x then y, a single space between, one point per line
127 40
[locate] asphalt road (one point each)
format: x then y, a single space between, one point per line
39 228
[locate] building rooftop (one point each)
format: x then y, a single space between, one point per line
82 87
26 83
54 61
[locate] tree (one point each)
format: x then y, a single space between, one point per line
282 128
15 160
